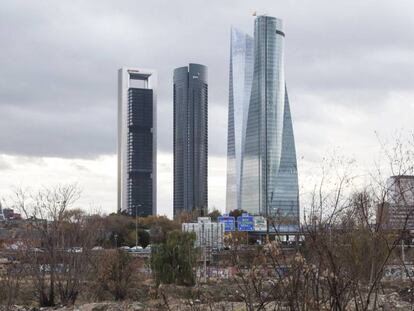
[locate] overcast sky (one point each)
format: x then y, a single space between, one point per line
349 70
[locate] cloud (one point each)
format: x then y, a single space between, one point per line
97 179
348 69
59 61
4 164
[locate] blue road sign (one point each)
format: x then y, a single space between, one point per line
245 223
229 222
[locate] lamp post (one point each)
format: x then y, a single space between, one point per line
267 217
136 224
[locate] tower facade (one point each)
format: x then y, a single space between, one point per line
240 84
190 139
1 213
137 141
269 181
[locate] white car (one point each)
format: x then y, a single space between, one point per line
75 250
136 249
37 250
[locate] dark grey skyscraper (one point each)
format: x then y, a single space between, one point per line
269 170
137 141
190 139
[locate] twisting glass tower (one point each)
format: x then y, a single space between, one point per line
269 181
240 84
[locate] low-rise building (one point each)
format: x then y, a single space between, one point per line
208 234
397 212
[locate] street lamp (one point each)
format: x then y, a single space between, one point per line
136 224
267 216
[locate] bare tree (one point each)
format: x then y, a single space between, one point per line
47 214
10 282
341 264
115 275
79 233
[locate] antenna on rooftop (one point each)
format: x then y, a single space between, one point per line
258 14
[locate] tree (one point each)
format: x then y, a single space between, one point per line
173 262
115 273
79 235
214 215
10 281
143 238
120 230
236 213
341 264
159 226
189 216
56 252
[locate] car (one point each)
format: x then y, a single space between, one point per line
124 248
19 245
136 249
75 250
97 248
37 250
147 249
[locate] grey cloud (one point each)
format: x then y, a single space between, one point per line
59 62
83 132
79 167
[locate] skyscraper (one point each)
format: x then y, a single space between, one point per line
240 84
190 139
269 169
137 141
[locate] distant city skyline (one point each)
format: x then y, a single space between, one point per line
58 91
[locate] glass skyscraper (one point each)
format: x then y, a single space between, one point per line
190 139
240 84
137 141
269 180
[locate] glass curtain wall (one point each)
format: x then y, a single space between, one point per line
269 181
240 82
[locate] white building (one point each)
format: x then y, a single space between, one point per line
208 234
398 210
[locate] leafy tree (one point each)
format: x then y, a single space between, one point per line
143 238
159 227
173 262
214 215
121 229
118 228
236 213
